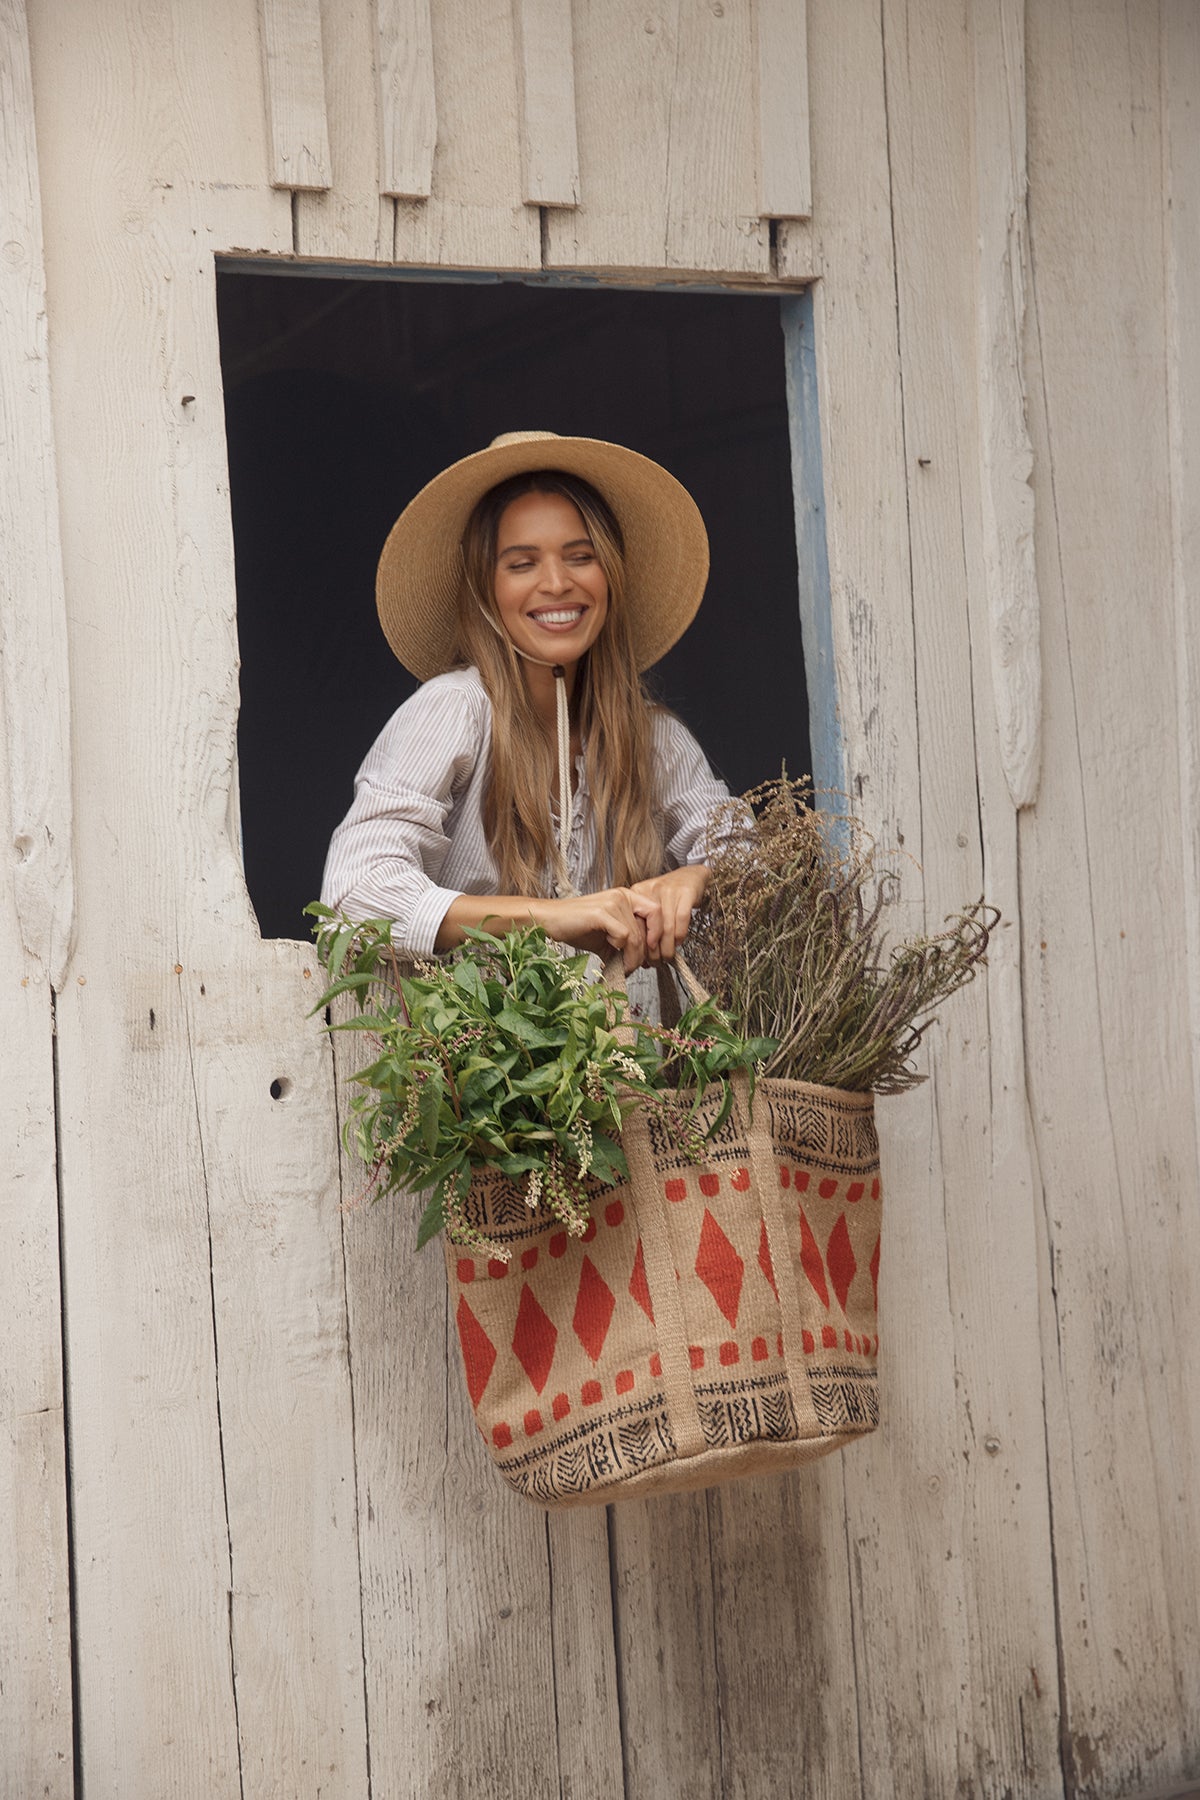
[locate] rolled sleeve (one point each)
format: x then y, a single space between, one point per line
386 857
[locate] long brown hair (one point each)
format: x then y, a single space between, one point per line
612 707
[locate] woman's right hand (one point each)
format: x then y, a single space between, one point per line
614 919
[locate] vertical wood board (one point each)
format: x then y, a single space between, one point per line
1104 921
163 1155
1181 86
294 61
784 163
546 68
407 99
996 1573
1014 608
35 930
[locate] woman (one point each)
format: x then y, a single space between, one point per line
530 780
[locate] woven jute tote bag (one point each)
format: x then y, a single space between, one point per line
714 1320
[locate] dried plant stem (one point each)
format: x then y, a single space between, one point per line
791 942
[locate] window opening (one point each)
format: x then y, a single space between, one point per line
344 395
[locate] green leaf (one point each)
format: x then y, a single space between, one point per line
608 1159
433 1219
429 1109
509 1019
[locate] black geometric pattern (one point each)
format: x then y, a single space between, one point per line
604 1451
596 1453
808 1125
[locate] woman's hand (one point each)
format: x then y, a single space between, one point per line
676 896
614 919
644 922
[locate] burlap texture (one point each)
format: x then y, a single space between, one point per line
713 1321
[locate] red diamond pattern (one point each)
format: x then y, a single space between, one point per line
478 1350
810 1261
639 1287
764 1259
839 1257
594 1305
534 1338
720 1267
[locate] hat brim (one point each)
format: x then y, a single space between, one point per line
421 567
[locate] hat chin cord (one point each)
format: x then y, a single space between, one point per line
564 886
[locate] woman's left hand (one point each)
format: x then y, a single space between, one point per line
676 894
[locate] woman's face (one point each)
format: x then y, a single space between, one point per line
550 589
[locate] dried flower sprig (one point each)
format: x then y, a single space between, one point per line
791 941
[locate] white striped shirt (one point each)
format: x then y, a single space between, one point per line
413 840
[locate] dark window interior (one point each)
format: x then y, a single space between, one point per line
343 396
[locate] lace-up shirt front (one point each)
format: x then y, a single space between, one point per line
413 840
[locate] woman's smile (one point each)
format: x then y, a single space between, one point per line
551 592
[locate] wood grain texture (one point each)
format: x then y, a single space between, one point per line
546 68
35 930
407 98
666 1648
667 123
475 216
218 1645
1181 90
978 1215
294 61
781 70
1104 919
32 613
1014 609
351 221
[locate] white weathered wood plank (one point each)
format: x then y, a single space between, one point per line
398 1322
283 1378
35 928
678 190
352 220
295 86
160 1147
783 1635
784 163
586 1699
1181 86
985 1235
1014 610
32 613
407 99
546 67
475 216
666 1648
1104 922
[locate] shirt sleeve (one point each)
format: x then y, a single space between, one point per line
689 792
386 856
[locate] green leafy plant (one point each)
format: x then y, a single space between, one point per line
505 1057
792 941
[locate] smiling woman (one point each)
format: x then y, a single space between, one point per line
529 604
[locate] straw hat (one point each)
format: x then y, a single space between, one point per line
421 568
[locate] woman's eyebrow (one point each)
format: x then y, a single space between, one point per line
532 549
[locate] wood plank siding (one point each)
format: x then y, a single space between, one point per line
251 1546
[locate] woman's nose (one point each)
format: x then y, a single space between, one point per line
555 577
